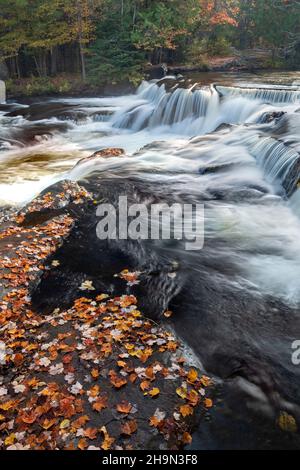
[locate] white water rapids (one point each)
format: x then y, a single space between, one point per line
243 169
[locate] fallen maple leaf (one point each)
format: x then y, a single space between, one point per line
145 385
208 403
90 433
154 392
287 422
186 410
82 444
28 417
108 441
115 380
64 424
181 392
192 376
95 373
193 397
48 423
129 427
124 407
100 404
186 438
87 285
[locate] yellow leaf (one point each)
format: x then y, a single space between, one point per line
95 373
108 441
10 439
154 392
64 424
101 297
192 376
287 422
181 392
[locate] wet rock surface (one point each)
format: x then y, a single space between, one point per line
83 370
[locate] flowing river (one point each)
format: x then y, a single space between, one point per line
231 143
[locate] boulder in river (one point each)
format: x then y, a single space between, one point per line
83 370
110 152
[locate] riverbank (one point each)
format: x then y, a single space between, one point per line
254 61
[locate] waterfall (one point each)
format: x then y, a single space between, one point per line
199 111
157 107
279 162
267 95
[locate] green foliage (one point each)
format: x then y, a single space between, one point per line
113 40
112 57
39 86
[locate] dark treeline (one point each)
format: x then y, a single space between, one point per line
112 39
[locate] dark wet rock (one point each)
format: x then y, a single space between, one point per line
46 231
224 127
40 111
270 117
32 133
110 152
212 169
156 71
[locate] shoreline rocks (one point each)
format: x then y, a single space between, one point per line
92 373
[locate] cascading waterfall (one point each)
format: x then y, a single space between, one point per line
157 107
197 111
279 162
165 109
267 95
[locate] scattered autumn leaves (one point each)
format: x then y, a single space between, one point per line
92 376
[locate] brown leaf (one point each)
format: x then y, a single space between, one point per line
168 314
193 397
82 444
115 380
100 404
90 433
28 417
124 407
145 385
186 410
48 423
129 427
95 373
186 438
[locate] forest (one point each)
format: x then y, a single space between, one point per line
103 41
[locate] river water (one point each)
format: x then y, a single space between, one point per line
231 142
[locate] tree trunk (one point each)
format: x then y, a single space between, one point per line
37 65
53 53
82 61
